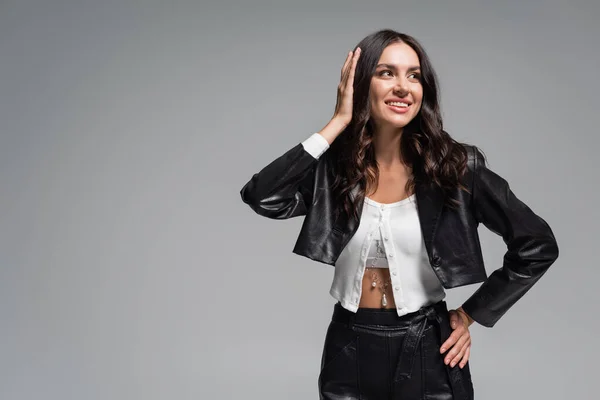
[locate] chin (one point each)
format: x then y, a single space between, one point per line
394 121
398 122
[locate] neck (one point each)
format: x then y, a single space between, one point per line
386 143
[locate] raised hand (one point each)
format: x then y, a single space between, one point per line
345 92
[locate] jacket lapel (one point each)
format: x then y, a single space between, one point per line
353 223
430 201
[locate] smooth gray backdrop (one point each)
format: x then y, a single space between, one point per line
130 268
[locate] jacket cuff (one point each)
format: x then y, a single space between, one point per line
475 307
315 145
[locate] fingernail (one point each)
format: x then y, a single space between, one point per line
443 349
453 364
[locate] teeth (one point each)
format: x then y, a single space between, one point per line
397 103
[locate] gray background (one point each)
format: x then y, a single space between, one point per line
130 268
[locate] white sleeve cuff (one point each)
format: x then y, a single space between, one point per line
316 145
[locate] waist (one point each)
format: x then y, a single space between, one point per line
387 317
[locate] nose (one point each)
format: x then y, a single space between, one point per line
401 86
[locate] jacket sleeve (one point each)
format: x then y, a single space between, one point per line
531 246
283 189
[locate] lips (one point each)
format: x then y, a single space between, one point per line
398 109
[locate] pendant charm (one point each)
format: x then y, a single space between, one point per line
383 301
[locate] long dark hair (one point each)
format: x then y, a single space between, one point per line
435 157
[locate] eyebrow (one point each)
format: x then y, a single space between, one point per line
390 66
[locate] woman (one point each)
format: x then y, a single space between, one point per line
393 203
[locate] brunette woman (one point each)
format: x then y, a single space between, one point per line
393 202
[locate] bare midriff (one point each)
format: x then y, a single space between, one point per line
371 296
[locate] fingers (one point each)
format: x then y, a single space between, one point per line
348 59
465 357
353 68
349 68
459 347
459 330
457 353
345 92
451 341
459 342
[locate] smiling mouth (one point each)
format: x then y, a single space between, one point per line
399 104
398 107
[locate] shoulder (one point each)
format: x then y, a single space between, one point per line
475 156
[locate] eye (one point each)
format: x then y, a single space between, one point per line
383 71
416 75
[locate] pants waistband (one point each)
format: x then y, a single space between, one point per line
387 316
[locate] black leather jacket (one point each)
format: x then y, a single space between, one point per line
298 184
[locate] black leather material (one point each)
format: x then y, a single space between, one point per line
375 354
297 184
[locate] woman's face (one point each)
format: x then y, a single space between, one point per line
397 78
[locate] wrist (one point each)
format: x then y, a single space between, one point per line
466 316
332 130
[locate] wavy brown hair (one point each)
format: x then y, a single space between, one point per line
434 156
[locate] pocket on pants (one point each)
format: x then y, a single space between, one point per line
339 369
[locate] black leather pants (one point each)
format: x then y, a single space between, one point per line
374 354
